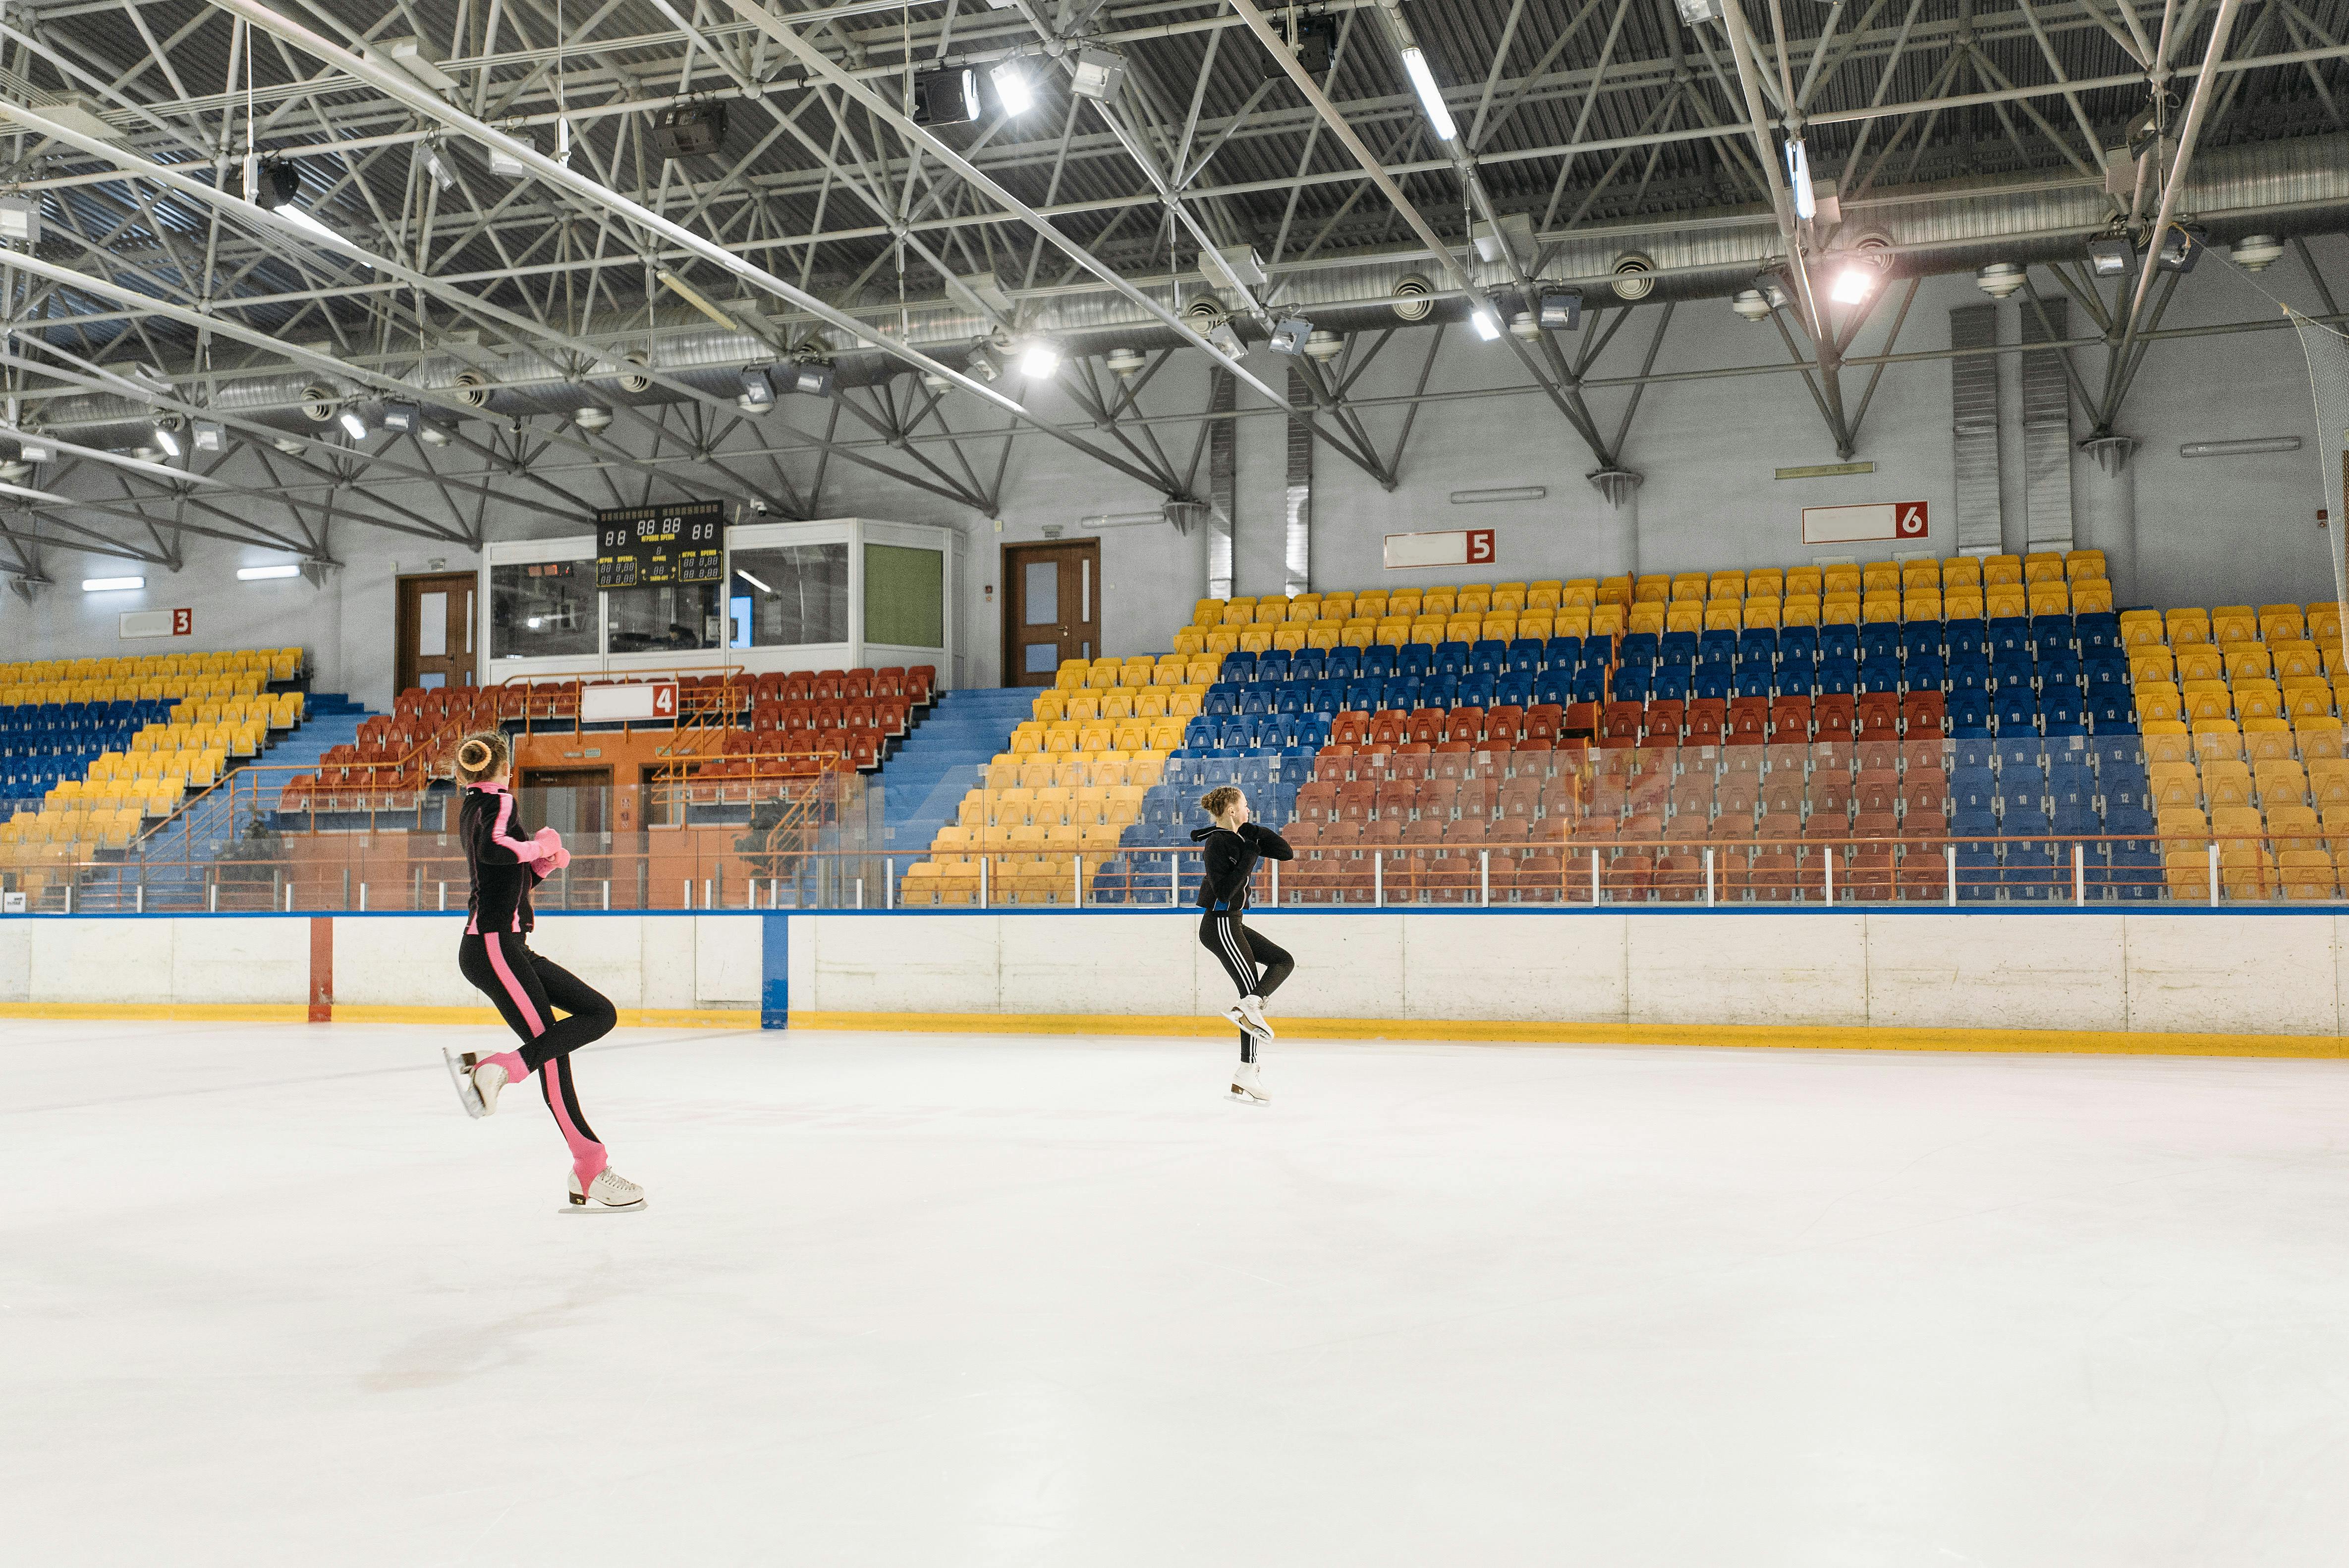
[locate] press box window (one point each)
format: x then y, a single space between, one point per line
671 617
783 595
543 610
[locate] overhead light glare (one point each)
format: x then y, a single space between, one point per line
111 584
1487 326
753 581
1431 97
267 574
1013 88
1853 284
168 441
352 421
1039 359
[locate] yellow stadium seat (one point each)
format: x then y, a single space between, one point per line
2201 662
1404 603
1684 615
2002 571
1800 610
1440 602
2234 624
2317 736
1961 604
2187 626
2049 597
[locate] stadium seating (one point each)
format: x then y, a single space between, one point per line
1989 728
772 726
93 749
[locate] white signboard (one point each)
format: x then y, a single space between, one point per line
181 623
1452 547
1853 524
643 702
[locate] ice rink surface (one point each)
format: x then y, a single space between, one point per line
266 1296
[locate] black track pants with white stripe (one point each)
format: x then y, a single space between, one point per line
1241 951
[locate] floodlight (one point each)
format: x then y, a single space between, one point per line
1430 97
1561 309
1038 358
1099 73
1854 284
354 423
505 163
1013 88
20 220
401 417
758 392
438 167
945 97
1291 334
209 436
35 451
1225 340
2111 256
1696 12
168 441
2181 246
809 379
1488 326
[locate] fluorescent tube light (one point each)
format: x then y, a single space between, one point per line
267 574
111 584
1423 81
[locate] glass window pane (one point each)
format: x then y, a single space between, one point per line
542 609
1041 596
795 593
1043 658
904 596
678 616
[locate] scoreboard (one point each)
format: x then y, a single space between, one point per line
648 546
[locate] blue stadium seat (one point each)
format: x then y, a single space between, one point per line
1272 665
1838 643
1452 659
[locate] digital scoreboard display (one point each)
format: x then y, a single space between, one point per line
648 546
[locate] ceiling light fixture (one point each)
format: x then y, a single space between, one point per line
111 584
354 422
2111 256
1854 284
211 435
1099 73
1290 334
1798 177
1040 357
2256 253
267 574
1488 326
1013 88
806 378
758 391
1561 309
438 167
1430 97
1751 303
168 441
1999 279
1225 339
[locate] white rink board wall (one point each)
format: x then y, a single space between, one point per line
2182 973
2202 974
644 963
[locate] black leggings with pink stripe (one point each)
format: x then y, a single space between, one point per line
528 990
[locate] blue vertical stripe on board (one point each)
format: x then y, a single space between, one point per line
774 972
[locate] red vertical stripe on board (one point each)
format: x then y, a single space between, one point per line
322 969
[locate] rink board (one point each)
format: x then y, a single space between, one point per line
2178 981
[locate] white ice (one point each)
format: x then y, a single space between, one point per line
266 1296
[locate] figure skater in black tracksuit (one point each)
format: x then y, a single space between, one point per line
1233 847
495 957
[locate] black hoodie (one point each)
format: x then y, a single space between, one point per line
1231 860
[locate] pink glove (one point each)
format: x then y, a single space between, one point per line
549 842
555 862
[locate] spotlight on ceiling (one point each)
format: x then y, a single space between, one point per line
983 363
2181 246
1013 88
401 417
758 391
2111 256
1038 358
209 435
1852 283
1099 73
1798 179
2256 253
1290 334
1525 324
806 378
592 418
353 423
271 183
1561 309
1751 303
438 167
1225 339
20 221
945 97
168 441
1487 324
1999 279
33 451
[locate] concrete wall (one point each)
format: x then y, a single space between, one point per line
2209 530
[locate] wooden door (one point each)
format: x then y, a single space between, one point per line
434 641
575 802
1051 608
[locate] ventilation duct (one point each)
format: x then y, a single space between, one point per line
1973 428
2046 433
